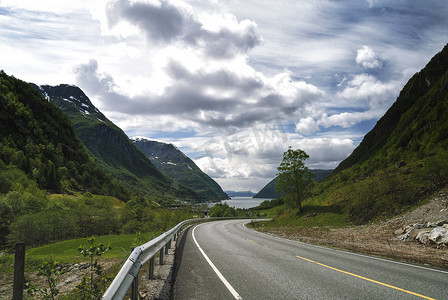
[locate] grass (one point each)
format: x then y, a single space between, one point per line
66 251
270 212
310 218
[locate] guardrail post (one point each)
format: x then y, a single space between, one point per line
167 246
134 289
134 285
151 269
19 271
161 257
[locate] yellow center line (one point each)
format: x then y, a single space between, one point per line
257 243
365 278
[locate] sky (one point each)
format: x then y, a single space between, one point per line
231 83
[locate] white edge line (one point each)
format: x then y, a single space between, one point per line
352 253
226 283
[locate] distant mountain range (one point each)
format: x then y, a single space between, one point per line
174 163
268 191
111 147
240 193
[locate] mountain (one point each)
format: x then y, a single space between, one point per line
403 159
416 123
240 193
38 145
268 191
173 162
110 146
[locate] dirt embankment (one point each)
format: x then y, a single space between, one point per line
382 239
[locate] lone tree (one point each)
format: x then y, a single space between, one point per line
294 179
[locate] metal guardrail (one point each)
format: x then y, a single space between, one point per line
128 274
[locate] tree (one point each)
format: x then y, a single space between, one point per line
294 179
93 286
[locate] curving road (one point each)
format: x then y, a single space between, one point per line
226 260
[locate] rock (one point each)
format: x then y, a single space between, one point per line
416 232
423 237
439 235
431 225
428 233
407 232
418 226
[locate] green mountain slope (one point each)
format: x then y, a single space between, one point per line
403 159
110 146
177 165
415 124
38 144
268 191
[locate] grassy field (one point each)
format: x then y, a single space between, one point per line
66 251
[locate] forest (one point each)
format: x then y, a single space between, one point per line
51 189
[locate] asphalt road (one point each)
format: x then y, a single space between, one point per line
226 260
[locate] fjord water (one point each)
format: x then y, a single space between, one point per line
244 202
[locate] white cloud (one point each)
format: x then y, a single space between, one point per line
346 120
307 126
367 58
365 89
164 22
325 152
215 98
367 98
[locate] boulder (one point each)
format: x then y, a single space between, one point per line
439 235
429 233
414 233
431 225
422 237
406 233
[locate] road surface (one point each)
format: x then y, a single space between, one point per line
226 260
